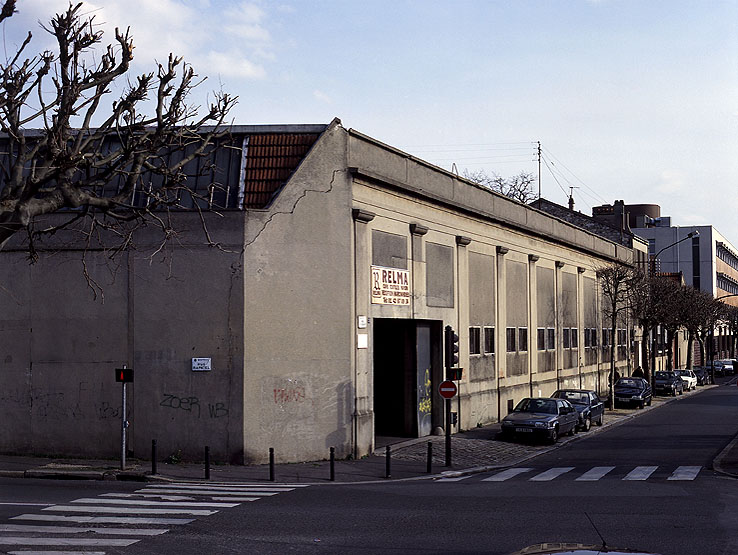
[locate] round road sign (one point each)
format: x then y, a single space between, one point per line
447 389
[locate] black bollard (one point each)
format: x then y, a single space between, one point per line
271 464
388 474
429 463
333 464
153 457
207 462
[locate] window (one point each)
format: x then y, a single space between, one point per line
510 337
550 339
474 341
489 341
594 337
587 337
574 338
567 339
522 339
541 339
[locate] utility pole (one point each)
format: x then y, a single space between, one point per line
539 175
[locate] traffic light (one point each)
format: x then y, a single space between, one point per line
124 375
452 347
454 418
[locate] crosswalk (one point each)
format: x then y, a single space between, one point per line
115 520
594 474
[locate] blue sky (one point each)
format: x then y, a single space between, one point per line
632 100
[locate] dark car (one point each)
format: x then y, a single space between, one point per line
587 403
633 391
718 365
541 417
703 375
668 383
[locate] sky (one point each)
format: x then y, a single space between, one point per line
633 100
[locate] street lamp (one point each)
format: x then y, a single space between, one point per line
689 235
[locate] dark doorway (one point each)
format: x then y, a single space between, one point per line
407 371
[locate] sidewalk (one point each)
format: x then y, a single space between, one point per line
472 451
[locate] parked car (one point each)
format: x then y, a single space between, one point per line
718 365
541 417
635 391
728 368
668 383
688 377
589 406
702 374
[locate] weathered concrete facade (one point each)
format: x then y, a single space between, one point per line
322 316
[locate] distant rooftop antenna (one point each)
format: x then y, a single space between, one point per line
454 169
571 198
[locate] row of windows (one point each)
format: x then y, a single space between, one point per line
482 340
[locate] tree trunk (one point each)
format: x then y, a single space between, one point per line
690 343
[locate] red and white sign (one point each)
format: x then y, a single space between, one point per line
447 389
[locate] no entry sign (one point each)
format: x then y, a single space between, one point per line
447 389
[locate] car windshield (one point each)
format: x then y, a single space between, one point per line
572 396
664 375
627 382
545 406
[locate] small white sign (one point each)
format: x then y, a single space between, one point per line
362 341
362 322
201 365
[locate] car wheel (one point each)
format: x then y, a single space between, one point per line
554 435
681 391
640 405
649 401
587 424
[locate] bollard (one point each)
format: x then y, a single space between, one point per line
388 474
333 464
271 464
153 457
429 463
207 462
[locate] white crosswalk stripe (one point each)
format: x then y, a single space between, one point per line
126 518
594 474
507 474
551 473
685 473
640 473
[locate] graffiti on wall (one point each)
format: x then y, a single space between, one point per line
191 405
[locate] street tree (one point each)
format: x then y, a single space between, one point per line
519 187
93 155
619 283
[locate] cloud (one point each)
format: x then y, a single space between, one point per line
671 183
218 37
320 95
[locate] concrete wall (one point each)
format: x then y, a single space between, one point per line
402 196
298 319
62 338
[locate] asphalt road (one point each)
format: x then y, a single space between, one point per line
646 484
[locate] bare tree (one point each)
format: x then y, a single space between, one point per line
518 187
67 165
619 284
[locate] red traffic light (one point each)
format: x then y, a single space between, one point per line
124 375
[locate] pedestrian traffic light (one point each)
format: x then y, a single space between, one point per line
124 375
452 347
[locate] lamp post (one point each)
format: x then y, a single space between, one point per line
689 235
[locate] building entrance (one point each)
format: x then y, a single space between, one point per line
407 371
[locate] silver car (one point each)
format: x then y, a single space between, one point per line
541 417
